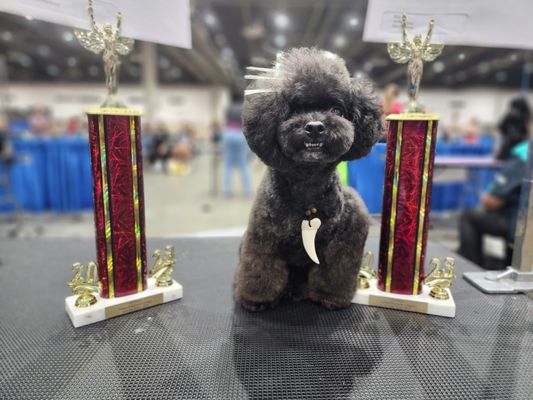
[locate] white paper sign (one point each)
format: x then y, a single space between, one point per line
159 21
487 23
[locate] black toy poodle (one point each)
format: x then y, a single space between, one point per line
306 232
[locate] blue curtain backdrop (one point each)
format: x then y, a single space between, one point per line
54 175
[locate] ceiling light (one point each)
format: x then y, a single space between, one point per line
28 17
134 71
460 76
227 54
25 60
72 61
353 21
280 40
93 70
438 67
461 56
164 63
281 20
359 74
483 67
501 76
220 39
67 36
7 36
339 41
43 50
210 19
175 72
52 70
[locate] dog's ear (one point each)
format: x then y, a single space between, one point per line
367 119
262 114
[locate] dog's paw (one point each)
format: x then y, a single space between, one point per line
256 306
330 302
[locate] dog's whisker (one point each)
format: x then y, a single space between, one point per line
260 69
257 91
253 77
274 70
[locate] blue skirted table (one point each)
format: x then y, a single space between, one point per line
51 174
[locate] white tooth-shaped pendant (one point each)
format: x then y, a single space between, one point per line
309 229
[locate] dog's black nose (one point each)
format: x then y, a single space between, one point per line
315 128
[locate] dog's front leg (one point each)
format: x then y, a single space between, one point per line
261 277
332 283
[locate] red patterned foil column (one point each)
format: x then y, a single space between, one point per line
406 202
116 160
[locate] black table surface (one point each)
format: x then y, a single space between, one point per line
205 347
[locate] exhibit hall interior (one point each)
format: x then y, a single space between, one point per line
249 199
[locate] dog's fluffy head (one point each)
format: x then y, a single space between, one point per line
308 111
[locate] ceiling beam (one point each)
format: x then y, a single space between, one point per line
331 13
314 20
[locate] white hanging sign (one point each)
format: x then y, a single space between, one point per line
486 23
159 21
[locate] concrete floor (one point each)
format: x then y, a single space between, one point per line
186 205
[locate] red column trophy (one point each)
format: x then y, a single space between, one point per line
401 282
122 285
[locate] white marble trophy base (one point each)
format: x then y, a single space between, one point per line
422 303
108 308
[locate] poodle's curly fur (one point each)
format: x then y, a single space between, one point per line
306 85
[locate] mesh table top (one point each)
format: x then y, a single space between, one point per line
204 347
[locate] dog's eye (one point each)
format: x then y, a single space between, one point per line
337 111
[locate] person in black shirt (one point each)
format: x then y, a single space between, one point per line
499 210
514 127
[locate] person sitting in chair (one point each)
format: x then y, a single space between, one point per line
498 213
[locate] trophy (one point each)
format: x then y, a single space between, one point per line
407 194
106 40
118 197
414 52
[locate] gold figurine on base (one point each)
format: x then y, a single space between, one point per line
414 51
163 266
366 273
84 287
440 279
106 40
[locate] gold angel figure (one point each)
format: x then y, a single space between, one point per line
415 52
104 39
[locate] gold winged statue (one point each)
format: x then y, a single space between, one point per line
415 52
104 39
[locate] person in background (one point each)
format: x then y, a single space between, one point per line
391 105
216 137
160 149
472 131
498 213
514 127
236 152
453 130
73 127
6 154
40 121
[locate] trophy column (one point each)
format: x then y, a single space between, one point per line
401 282
406 202
116 158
